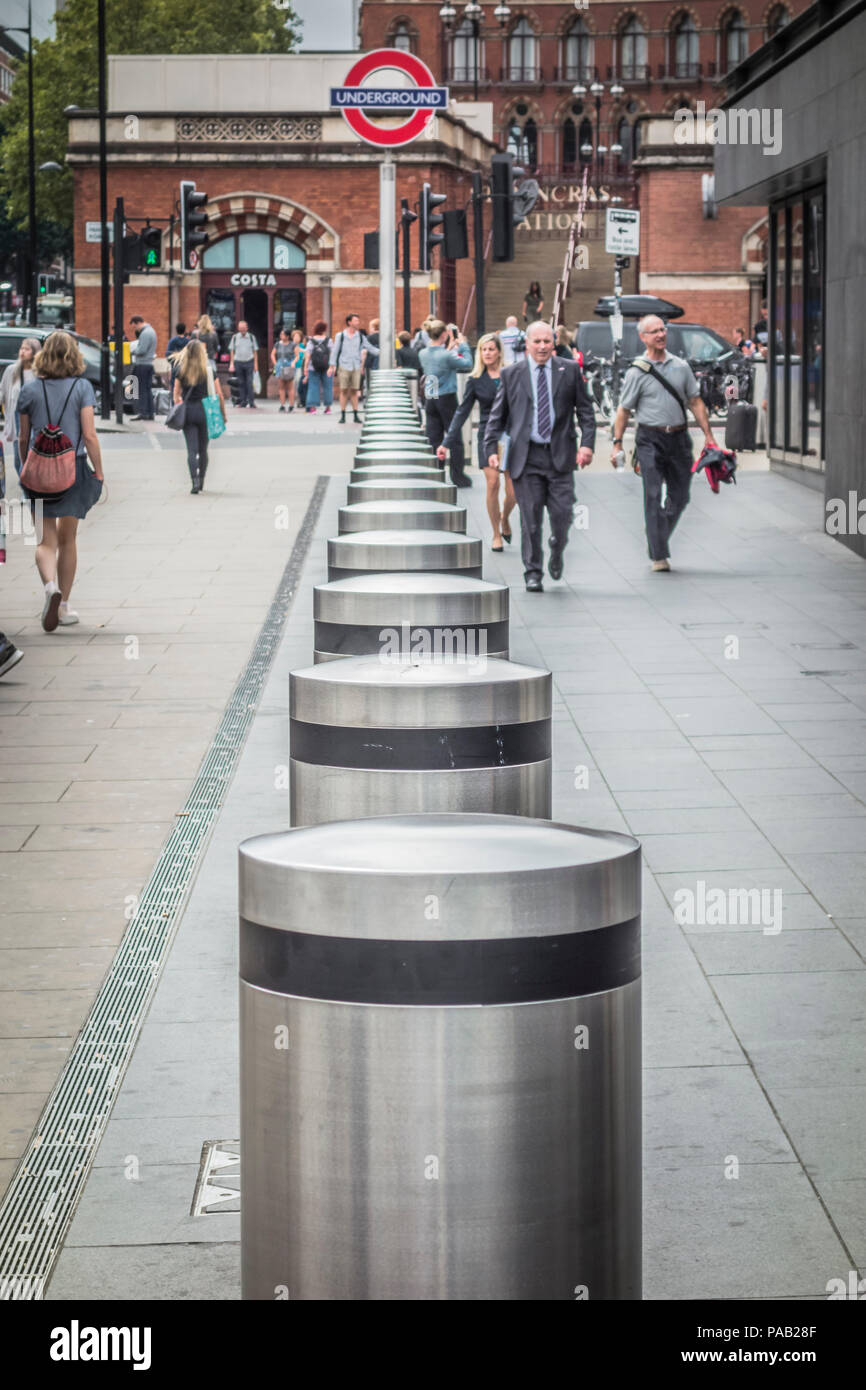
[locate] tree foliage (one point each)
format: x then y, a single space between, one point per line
65 73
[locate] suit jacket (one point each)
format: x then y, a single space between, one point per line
512 415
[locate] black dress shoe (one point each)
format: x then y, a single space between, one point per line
534 585
461 480
554 565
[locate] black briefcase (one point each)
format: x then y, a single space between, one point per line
741 429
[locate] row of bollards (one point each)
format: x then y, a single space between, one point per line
440 988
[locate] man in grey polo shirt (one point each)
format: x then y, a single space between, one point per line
664 447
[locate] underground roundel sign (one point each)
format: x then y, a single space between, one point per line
416 103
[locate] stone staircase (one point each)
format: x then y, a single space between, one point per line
540 256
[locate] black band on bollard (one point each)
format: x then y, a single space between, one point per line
336 572
525 970
350 639
423 750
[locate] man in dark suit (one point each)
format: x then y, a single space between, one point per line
535 407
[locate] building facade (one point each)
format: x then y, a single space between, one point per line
814 74
291 195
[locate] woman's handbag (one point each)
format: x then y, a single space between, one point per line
213 409
176 417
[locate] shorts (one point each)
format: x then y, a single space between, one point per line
349 378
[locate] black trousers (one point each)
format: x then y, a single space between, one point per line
663 458
195 434
440 413
143 373
540 486
244 372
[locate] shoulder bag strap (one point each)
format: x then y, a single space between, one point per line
340 337
645 366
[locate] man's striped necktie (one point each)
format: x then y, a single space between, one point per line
543 405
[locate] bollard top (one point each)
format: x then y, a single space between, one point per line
489 877
391 691
407 597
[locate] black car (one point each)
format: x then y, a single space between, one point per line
692 340
12 338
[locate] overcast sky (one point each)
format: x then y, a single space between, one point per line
327 23
14 12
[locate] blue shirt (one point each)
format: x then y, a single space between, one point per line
445 363
534 369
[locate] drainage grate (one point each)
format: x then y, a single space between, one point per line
45 1190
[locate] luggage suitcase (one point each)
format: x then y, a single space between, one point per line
741 429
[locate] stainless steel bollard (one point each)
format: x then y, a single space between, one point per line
440 1061
350 615
372 735
379 552
418 489
401 515
364 471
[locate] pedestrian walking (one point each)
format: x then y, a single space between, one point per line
482 385
535 407
440 363
242 362
300 349
194 380
207 334
142 352
407 355
179 341
14 377
283 363
656 387
563 343
10 655
533 303
348 355
513 341
320 386
56 412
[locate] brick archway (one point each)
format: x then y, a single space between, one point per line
269 212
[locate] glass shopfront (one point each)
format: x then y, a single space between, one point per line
797 282
258 277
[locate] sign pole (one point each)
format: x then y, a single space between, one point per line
387 219
119 221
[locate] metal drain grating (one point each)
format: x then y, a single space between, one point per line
39 1203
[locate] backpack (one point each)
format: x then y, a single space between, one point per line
320 356
49 467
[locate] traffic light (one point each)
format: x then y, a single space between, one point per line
502 192
429 238
151 248
456 243
131 255
191 222
47 284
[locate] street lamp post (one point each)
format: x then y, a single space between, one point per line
31 161
597 90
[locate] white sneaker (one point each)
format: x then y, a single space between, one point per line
51 606
67 616
661 564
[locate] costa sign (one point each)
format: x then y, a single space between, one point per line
419 102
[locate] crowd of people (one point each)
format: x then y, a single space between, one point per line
526 384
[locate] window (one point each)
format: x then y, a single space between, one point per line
632 50
220 255
585 141
254 250
401 37
776 20
569 143
578 54
623 137
522 52
465 50
523 142
685 48
700 345
735 42
796 324
287 256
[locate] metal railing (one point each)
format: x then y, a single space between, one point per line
630 72
575 72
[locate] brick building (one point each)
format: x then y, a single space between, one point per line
291 193
634 62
